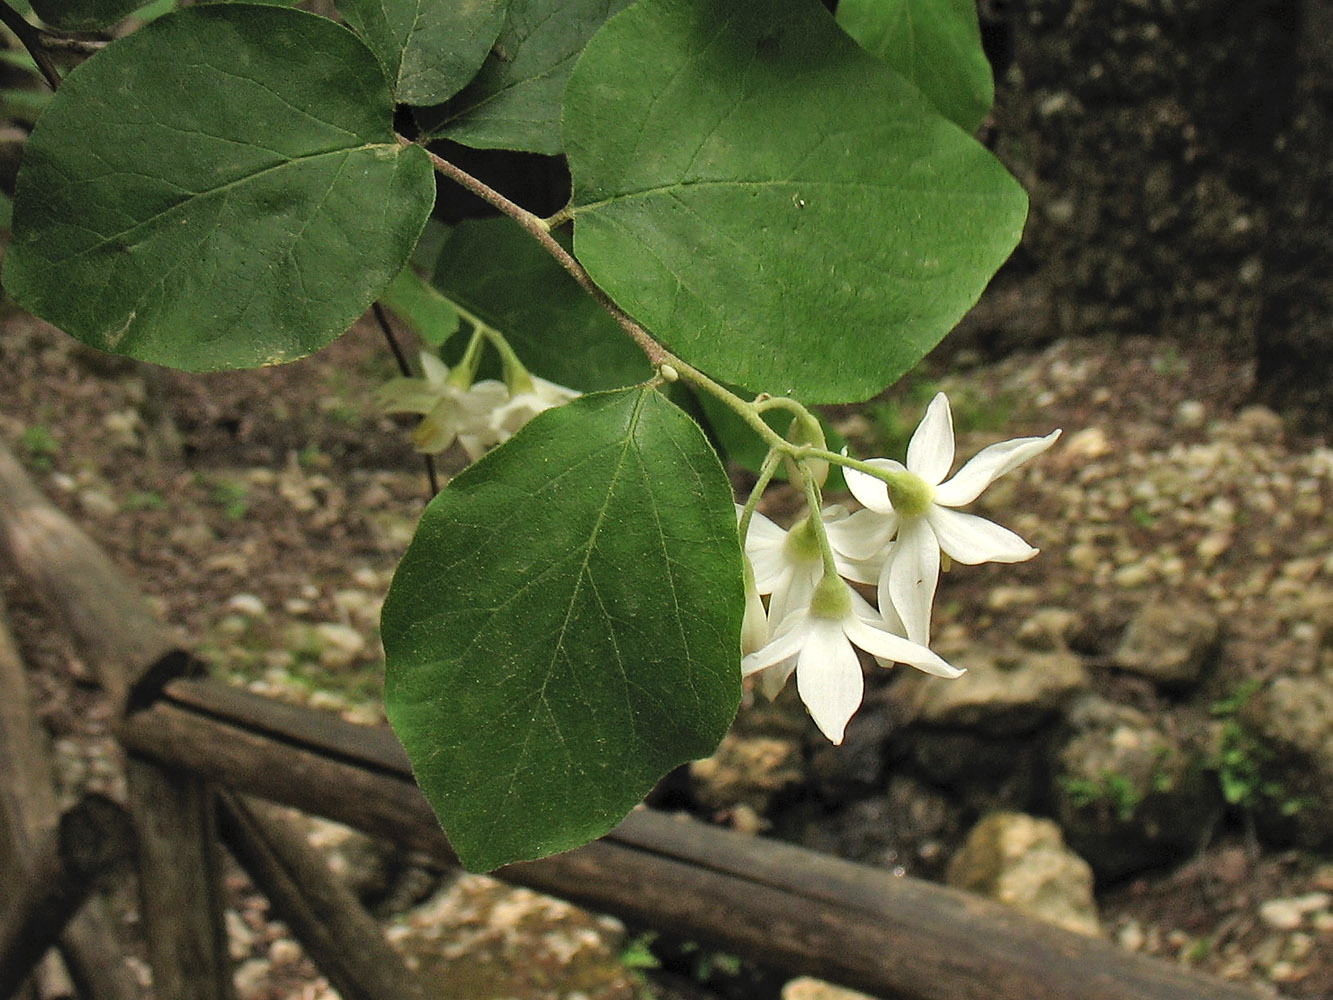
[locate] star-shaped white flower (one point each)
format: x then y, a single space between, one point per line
918 514
523 405
450 412
817 642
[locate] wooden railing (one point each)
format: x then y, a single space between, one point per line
205 759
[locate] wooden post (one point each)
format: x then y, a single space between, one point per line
123 641
29 814
93 837
341 938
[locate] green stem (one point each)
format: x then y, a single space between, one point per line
766 471
893 477
658 356
815 501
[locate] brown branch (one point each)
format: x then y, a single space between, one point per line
32 40
382 318
540 230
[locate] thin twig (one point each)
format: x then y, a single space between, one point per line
541 232
31 38
75 46
406 369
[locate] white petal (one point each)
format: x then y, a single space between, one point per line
434 369
930 452
864 535
754 626
910 577
988 465
828 677
868 490
970 540
791 597
787 644
895 649
771 680
764 545
884 618
865 571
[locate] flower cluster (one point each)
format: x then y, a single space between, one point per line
896 544
477 414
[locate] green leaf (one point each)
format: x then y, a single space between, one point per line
84 15
934 43
779 207
220 189
418 304
500 274
428 48
565 626
514 102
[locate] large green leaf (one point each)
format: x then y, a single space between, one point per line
934 43
514 102
502 275
778 206
565 626
428 48
84 15
220 189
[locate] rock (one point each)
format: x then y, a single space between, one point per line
1023 862
1004 693
747 770
1049 629
807 988
1129 793
339 645
485 939
1170 643
1288 914
1289 724
984 772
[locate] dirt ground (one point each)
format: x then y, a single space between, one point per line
263 513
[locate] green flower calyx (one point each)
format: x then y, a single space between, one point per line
910 495
831 599
802 541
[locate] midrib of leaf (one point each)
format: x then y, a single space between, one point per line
223 189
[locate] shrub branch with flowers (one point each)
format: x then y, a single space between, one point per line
769 210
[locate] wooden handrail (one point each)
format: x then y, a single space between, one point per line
791 908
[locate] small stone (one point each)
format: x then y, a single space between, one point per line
748 770
808 988
1169 642
1089 443
1002 694
1023 862
247 604
1190 414
1048 629
340 645
1288 914
1136 574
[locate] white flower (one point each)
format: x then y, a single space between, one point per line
817 642
522 406
449 411
917 512
786 564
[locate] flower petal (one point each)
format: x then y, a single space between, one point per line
791 597
864 535
930 452
988 465
970 540
868 490
828 677
787 644
764 545
885 646
910 577
771 680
